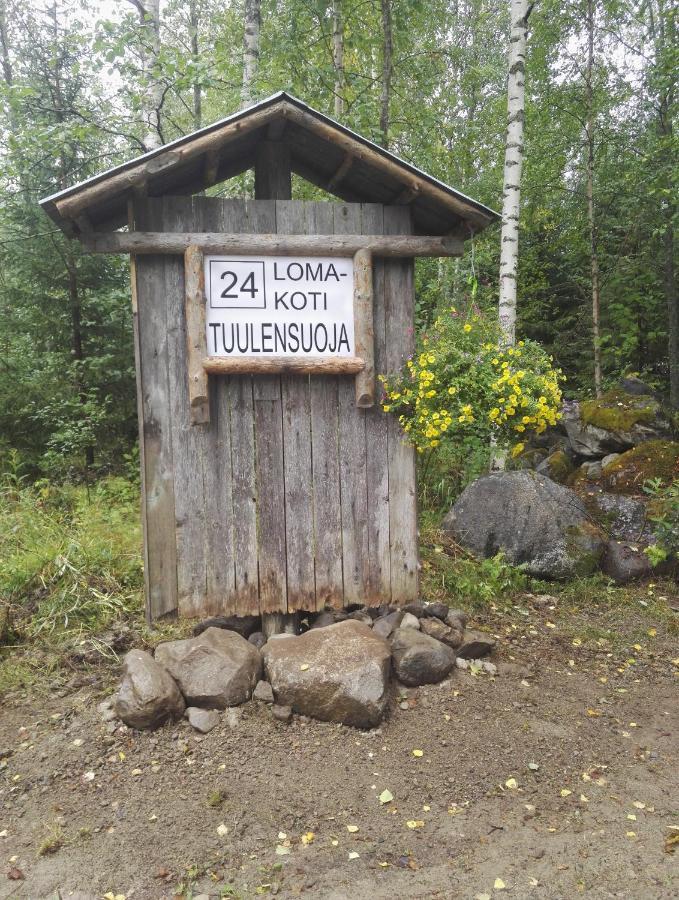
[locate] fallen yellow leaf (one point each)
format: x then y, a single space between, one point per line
418 753
352 829
512 784
415 823
308 838
499 884
565 792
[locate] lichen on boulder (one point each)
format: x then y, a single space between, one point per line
653 459
616 410
537 524
616 421
557 466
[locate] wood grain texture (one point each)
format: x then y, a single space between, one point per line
283 365
376 442
325 468
156 425
269 460
188 446
299 514
364 342
131 217
352 456
221 594
400 343
196 343
166 242
237 217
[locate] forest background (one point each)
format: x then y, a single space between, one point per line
87 85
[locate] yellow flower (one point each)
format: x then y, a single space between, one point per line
386 407
467 327
518 448
452 390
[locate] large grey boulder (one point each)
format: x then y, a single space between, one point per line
339 673
536 523
148 696
419 659
214 670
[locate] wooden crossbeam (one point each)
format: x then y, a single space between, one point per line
341 172
278 365
397 245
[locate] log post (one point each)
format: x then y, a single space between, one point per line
196 344
364 336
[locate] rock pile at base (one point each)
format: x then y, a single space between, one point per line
217 669
148 696
338 670
337 673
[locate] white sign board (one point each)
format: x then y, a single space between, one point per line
279 306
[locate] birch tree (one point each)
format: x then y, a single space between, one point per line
338 56
252 25
387 70
153 92
511 196
590 149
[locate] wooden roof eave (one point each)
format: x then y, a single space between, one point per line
66 207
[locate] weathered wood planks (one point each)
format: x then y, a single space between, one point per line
291 496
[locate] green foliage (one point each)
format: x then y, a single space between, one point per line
68 561
463 385
664 516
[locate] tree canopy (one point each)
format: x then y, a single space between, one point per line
85 85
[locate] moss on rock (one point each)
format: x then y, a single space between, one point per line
557 466
652 459
584 543
616 410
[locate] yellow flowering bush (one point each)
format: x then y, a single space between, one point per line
464 384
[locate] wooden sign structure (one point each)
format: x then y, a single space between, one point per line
272 482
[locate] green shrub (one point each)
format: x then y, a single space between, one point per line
664 515
464 385
69 559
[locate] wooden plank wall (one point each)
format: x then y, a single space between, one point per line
291 498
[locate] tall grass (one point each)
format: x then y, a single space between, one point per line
70 557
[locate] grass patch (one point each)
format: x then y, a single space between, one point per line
53 841
70 559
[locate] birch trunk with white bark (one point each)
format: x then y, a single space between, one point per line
338 56
149 19
251 30
511 197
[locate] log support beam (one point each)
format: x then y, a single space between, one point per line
396 245
341 172
283 365
364 337
196 342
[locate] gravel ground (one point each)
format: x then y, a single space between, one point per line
555 779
